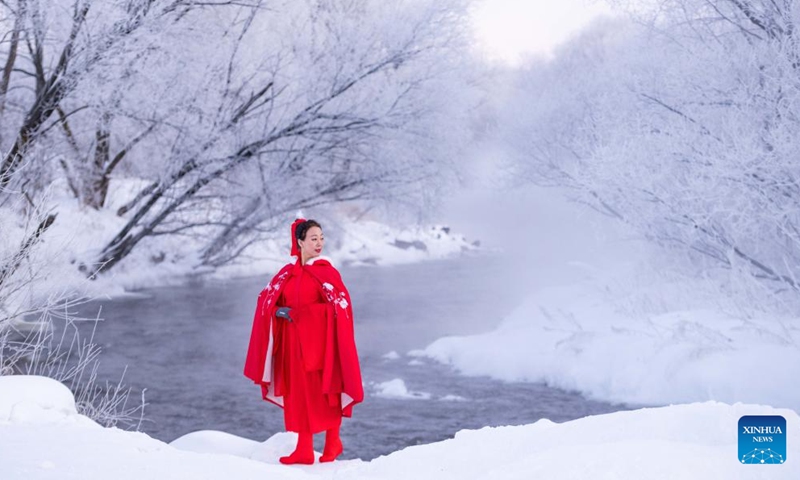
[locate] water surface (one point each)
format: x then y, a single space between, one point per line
186 345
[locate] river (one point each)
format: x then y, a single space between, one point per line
186 346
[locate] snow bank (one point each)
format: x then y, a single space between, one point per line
34 398
78 235
50 440
369 242
358 243
575 337
696 441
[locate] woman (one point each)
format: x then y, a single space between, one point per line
302 349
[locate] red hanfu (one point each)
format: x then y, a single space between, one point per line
308 366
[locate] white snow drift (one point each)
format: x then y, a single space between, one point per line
575 337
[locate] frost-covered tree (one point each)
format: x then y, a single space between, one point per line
51 49
684 125
225 116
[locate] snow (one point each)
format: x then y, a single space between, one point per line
393 355
78 234
452 398
214 442
373 243
396 388
692 441
579 337
46 397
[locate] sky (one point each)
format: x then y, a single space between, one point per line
510 29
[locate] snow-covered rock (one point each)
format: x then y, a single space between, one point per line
396 388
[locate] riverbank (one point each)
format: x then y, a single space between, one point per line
638 337
79 233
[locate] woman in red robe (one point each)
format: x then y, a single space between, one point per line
302 348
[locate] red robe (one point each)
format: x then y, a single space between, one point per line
308 366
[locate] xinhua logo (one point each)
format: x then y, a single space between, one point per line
762 439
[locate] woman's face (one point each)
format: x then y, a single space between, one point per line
312 246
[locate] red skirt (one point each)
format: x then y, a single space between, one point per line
305 407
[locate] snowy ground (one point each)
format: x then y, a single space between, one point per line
651 344
42 437
633 329
630 326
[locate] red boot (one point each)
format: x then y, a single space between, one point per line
304 452
333 445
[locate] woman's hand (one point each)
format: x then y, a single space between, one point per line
283 312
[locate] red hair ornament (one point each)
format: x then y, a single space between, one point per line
295 246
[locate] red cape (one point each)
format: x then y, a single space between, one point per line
341 372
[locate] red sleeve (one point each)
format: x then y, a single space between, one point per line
259 334
257 349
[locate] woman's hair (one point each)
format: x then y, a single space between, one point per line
303 228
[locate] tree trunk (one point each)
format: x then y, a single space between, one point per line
12 55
